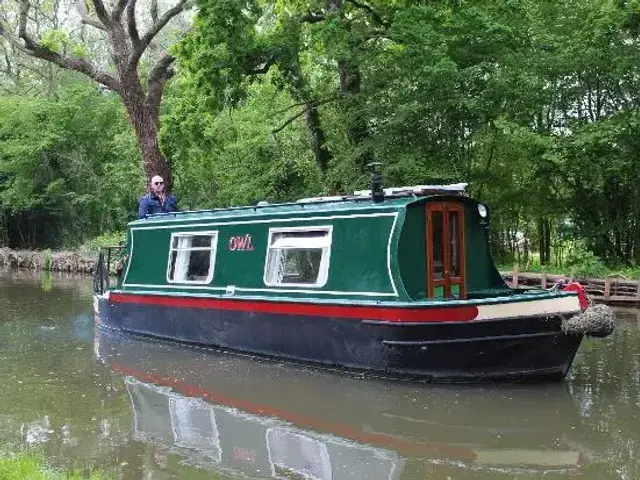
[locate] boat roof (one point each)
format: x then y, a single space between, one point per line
395 198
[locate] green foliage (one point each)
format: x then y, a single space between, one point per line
232 158
32 467
55 40
110 239
220 50
581 262
534 103
69 168
47 258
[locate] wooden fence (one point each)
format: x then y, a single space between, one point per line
614 289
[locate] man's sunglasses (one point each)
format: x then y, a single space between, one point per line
158 183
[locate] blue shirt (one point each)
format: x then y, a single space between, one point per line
151 203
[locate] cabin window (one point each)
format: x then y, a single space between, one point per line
191 257
298 257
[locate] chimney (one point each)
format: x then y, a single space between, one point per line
377 185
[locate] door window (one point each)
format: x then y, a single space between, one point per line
445 250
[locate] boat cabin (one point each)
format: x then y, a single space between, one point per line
405 244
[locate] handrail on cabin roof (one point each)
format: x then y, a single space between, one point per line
358 196
256 207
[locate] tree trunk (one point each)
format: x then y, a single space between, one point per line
317 138
300 92
146 126
357 130
544 233
350 82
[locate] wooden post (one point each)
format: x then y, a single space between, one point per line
607 288
514 281
638 294
543 281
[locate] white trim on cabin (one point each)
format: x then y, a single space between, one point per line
212 249
270 220
264 290
324 244
178 219
274 220
126 274
393 229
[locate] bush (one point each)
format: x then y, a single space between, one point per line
582 262
106 239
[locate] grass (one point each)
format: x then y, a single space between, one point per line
32 467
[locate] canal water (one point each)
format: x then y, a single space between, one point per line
138 409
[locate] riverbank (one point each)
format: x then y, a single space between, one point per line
63 261
613 289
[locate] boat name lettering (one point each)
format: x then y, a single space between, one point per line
240 243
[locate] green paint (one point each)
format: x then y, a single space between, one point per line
481 272
412 252
357 261
363 236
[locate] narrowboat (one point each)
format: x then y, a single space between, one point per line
396 281
257 418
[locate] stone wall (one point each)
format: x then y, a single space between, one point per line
55 261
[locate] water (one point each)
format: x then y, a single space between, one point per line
147 410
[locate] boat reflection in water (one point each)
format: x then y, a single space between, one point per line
247 417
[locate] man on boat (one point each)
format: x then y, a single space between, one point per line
157 201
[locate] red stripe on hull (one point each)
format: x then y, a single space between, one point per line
389 314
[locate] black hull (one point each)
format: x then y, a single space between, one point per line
529 348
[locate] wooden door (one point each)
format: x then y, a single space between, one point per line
445 250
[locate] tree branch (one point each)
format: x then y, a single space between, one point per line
118 10
22 23
289 121
262 66
33 48
156 27
101 12
153 10
308 106
132 26
370 11
13 41
312 17
158 77
314 103
81 7
78 65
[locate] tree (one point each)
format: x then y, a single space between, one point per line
119 22
68 167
